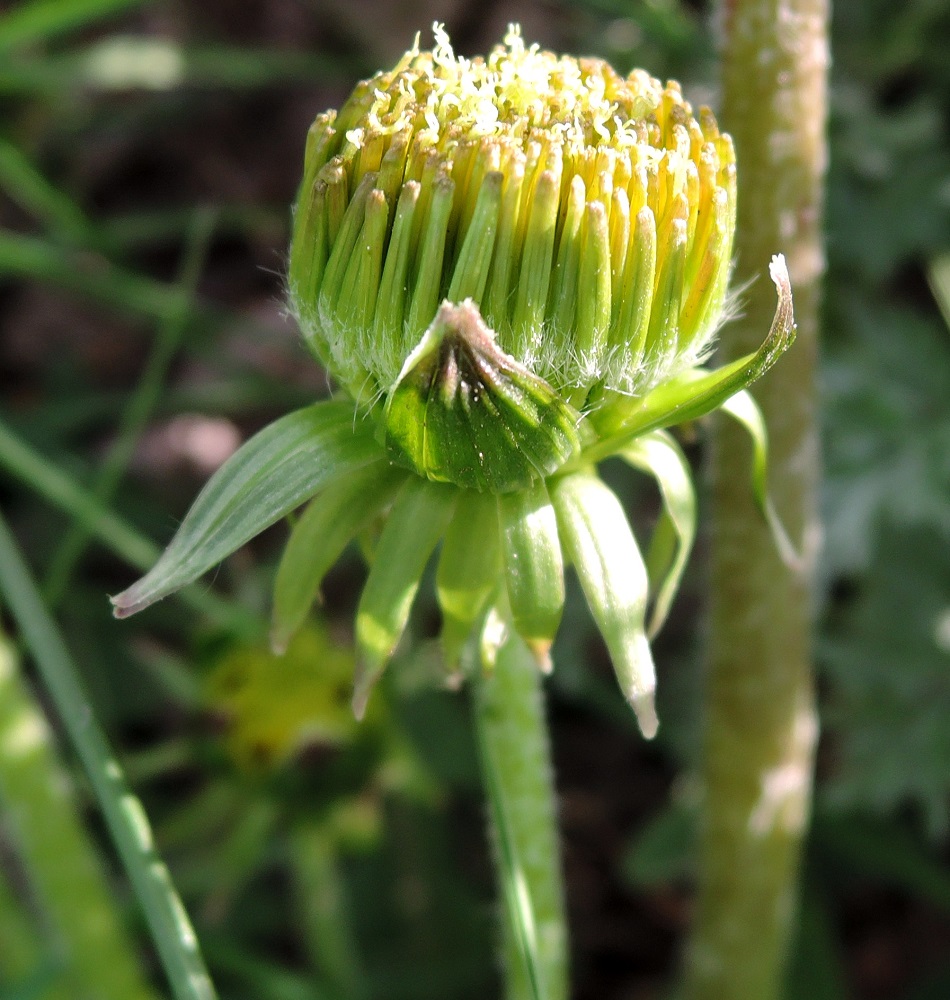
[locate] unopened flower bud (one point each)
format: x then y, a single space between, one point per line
514 266
587 216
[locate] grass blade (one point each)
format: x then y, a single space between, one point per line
136 413
43 20
25 185
97 956
93 277
128 826
119 537
123 63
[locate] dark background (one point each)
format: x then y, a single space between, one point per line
145 134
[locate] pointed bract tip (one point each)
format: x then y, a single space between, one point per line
363 683
784 322
778 269
541 651
644 707
279 641
359 701
125 605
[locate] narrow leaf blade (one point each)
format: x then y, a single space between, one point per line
597 538
43 20
534 567
275 471
420 515
660 456
743 408
318 538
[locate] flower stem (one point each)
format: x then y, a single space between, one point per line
516 766
761 726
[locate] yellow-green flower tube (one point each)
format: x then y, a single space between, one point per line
588 217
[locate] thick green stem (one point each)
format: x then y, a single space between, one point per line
761 725
515 755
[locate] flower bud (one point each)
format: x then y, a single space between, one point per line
587 216
515 265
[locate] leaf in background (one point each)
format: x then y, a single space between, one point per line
42 20
665 848
888 662
888 176
887 444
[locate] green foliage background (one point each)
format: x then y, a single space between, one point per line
148 153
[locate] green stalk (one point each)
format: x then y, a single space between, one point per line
515 758
23 183
761 725
94 953
171 929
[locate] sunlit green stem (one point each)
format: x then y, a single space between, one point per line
515 757
761 726
93 954
128 826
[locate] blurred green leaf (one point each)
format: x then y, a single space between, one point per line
884 852
43 20
91 275
24 183
130 62
887 660
665 849
816 968
887 447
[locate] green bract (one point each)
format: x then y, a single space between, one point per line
513 267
